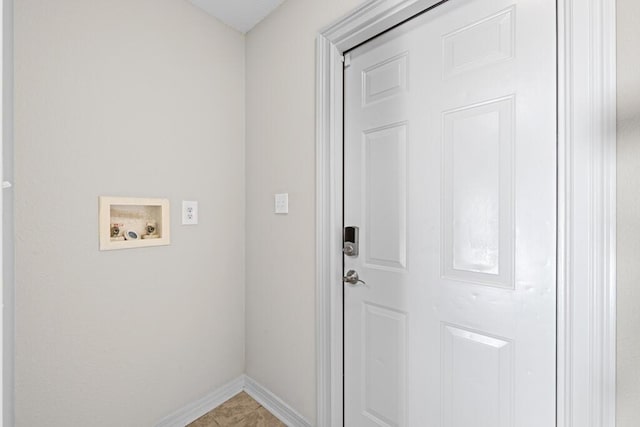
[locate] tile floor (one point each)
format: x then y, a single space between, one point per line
239 411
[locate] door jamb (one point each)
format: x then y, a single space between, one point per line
2 376
586 278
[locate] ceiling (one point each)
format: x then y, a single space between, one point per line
242 15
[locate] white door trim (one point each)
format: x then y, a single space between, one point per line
2 142
586 204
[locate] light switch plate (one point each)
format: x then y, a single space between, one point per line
282 203
189 212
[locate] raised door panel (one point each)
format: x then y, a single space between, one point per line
383 365
477 193
385 79
477 378
385 193
479 44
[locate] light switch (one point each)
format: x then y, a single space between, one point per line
189 212
282 203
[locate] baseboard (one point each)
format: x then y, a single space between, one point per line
195 410
274 404
263 396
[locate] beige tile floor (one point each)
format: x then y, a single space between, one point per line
239 411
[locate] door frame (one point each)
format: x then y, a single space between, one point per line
3 117
586 248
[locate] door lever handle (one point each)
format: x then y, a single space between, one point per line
352 278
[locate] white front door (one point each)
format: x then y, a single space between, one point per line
450 175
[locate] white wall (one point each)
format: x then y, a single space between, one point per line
134 98
8 273
628 412
280 314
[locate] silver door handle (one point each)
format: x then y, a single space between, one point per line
352 278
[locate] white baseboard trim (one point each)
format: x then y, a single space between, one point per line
195 410
274 404
263 396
